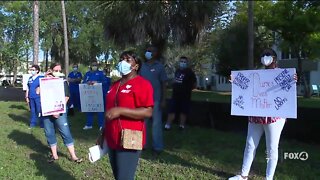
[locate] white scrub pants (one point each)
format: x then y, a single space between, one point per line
255 131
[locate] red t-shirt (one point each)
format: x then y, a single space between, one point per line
135 93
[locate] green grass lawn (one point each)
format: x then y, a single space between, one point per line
196 153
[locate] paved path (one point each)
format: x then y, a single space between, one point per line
11 94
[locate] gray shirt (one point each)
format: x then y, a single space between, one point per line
157 75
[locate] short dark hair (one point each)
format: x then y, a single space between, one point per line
133 55
36 67
269 52
184 57
54 64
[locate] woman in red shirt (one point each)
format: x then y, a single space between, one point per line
129 102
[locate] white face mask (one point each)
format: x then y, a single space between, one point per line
266 60
58 74
94 68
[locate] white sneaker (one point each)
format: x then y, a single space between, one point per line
87 127
167 127
238 177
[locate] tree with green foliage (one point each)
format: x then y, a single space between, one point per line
16 30
230 44
297 23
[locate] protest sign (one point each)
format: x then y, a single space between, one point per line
267 92
52 96
91 97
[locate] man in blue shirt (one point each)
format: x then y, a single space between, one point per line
91 77
33 95
154 71
74 79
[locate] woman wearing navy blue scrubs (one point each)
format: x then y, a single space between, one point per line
74 79
33 96
91 77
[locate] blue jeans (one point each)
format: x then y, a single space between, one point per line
124 163
50 123
90 118
156 120
35 110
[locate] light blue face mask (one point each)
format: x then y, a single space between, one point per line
33 72
124 67
182 65
148 55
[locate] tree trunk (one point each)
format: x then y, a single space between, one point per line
250 35
46 55
15 71
27 65
35 31
65 31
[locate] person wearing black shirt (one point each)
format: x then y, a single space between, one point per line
184 81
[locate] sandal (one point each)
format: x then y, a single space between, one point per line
78 161
51 159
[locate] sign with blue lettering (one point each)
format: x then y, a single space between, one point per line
266 92
91 97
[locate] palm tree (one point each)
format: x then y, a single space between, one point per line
65 31
158 22
35 31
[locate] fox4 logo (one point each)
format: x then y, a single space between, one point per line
303 156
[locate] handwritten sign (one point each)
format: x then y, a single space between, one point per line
52 96
91 97
267 92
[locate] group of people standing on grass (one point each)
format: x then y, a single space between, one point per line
136 101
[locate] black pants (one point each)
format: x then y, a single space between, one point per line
124 163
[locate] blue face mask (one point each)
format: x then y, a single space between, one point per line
182 65
148 55
33 72
124 67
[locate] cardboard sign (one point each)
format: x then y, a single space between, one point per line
91 97
52 96
267 92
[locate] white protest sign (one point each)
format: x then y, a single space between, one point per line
25 78
52 96
267 92
91 97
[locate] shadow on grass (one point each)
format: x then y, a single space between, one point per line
22 119
173 159
50 171
20 107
